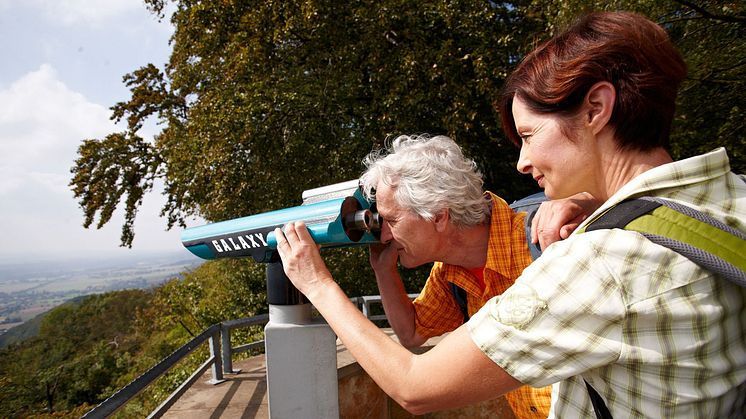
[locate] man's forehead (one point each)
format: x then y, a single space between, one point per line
385 201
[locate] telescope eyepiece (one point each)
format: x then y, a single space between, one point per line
358 222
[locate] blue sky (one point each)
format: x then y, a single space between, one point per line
62 68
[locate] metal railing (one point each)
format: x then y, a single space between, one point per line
217 360
220 361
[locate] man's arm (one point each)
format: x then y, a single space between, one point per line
556 219
396 303
453 374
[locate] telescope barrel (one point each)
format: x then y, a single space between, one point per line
334 222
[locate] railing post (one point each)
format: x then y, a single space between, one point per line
217 364
227 349
365 306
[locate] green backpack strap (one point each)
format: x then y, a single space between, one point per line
704 240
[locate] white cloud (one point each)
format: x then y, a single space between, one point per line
64 67
41 125
86 12
53 182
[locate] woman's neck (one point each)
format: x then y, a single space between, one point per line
620 167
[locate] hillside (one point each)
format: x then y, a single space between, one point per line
80 352
30 289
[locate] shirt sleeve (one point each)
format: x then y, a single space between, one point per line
436 311
563 316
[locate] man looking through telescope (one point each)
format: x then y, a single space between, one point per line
434 209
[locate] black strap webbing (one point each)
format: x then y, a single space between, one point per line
459 295
602 412
622 214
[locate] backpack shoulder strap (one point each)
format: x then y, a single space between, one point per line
530 205
459 295
704 240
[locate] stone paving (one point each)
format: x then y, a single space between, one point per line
244 395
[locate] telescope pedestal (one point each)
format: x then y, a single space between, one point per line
301 357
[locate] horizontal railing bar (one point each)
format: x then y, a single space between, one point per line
248 347
246 321
118 399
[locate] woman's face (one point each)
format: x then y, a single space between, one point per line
562 166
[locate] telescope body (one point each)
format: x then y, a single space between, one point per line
336 215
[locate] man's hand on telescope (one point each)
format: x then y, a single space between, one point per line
301 259
556 219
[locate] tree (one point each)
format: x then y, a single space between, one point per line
261 100
83 346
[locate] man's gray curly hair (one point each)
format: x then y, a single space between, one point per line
429 174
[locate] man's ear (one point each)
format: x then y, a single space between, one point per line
441 220
599 105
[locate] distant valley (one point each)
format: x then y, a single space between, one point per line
30 288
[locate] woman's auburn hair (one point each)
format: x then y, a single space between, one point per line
625 49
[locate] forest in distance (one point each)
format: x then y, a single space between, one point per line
262 100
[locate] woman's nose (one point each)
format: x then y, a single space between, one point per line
524 164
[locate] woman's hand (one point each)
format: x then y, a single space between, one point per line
556 219
301 259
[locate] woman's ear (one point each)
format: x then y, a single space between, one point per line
599 104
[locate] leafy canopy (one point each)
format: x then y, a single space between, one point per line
261 100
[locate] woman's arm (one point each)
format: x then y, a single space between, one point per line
454 373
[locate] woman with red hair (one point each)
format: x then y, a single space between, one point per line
608 312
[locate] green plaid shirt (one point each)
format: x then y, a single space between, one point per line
653 333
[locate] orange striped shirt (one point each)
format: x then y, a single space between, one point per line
436 311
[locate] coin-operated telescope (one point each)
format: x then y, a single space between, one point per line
336 215
301 355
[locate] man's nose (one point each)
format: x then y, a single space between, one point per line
386 235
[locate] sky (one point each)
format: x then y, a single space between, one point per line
61 71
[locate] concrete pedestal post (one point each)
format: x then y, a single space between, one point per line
301 355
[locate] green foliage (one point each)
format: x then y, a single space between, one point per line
89 348
216 291
81 349
121 167
261 100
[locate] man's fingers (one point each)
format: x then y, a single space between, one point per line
567 229
535 226
571 225
301 231
547 237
